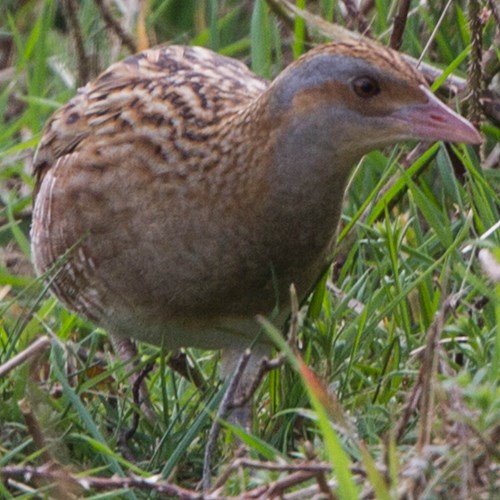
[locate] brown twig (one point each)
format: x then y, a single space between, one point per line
366 6
58 475
238 463
278 487
399 24
39 346
324 487
115 26
70 8
355 17
410 404
429 368
59 489
34 429
421 393
475 80
315 467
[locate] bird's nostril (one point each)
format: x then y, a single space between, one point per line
437 118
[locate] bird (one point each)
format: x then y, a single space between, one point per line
178 195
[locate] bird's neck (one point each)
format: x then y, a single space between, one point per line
298 175
307 148
299 162
308 156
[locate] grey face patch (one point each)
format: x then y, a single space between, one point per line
317 71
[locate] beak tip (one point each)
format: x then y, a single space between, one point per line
478 139
470 136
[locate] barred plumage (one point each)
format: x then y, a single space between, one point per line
182 194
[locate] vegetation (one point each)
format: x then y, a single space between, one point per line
403 335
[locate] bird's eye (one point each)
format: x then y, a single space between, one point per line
365 86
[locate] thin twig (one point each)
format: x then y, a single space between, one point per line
356 17
475 77
34 429
315 467
323 486
434 32
366 6
39 346
409 407
70 8
115 26
276 489
58 490
399 24
48 473
429 366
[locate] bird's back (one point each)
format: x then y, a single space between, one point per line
172 89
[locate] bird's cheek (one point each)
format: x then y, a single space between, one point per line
377 132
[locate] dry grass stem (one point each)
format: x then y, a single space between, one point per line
71 11
35 349
399 24
110 21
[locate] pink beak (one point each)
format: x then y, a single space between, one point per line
437 122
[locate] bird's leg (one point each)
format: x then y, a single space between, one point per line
245 371
138 388
222 413
178 361
246 382
265 366
126 350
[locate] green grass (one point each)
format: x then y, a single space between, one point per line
406 269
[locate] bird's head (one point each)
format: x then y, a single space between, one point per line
361 96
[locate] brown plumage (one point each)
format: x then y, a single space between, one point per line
179 195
